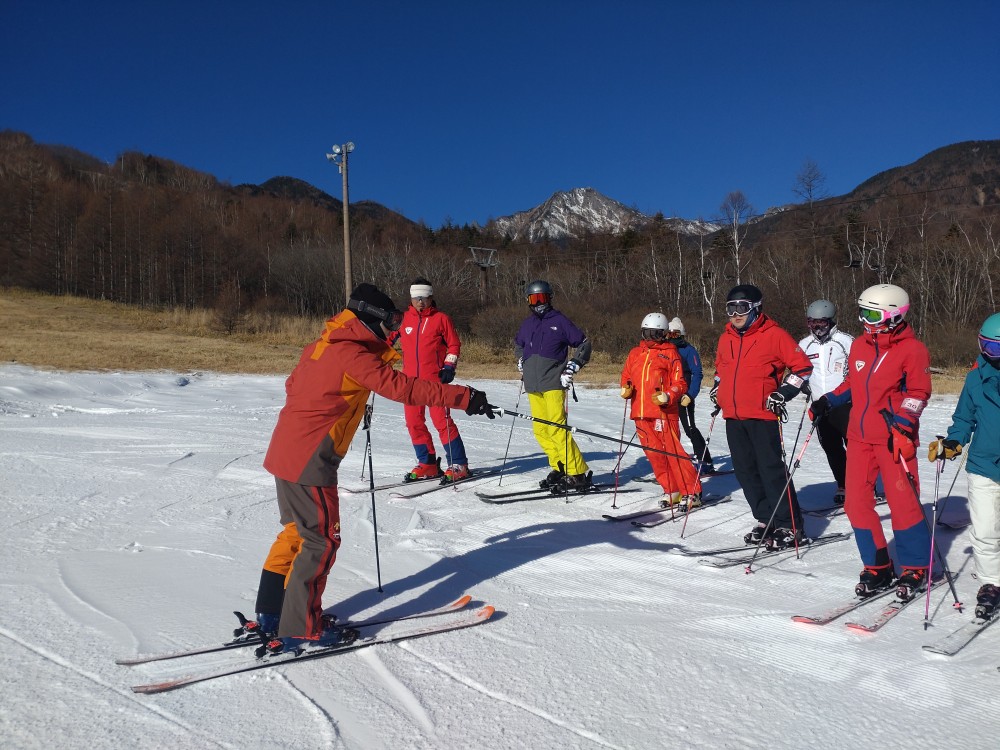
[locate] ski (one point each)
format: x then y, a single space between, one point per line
716 473
829 613
540 494
891 609
954 642
706 502
253 640
806 544
479 474
364 640
832 511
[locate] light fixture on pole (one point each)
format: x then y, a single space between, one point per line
339 157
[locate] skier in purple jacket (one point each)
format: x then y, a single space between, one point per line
542 346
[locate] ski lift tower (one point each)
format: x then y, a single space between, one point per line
485 258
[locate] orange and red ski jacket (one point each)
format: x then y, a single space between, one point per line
650 367
428 340
891 371
750 367
326 395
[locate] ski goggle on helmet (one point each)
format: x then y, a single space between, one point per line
740 307
883 306
392 319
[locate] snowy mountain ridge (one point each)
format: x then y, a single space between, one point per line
574 213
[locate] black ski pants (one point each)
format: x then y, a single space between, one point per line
693 433
755 448
832 432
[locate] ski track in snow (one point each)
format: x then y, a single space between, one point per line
137 514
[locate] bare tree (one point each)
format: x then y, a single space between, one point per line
737 211
810 183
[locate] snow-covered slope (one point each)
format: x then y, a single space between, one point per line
136 515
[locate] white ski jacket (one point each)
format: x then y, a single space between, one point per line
829 360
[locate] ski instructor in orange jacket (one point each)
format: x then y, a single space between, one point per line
752 388
326 396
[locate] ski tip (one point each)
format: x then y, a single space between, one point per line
462 601
157 687
486 612
805 619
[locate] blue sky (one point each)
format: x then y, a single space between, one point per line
466 110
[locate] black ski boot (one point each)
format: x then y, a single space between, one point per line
784 538
575 483
987 601
757 534
554 479
875 579
911 582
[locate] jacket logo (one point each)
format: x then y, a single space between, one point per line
859 364
408 329
554 328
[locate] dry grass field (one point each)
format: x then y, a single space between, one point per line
73 333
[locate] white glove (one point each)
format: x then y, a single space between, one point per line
566 378
520 364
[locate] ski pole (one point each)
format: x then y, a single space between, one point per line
369 408
621 453
930 563
798 434
701 463
788 484
570 428
520 392
889 423
965 455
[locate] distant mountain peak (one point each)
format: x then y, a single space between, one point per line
574 213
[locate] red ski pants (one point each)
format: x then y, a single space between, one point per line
675 473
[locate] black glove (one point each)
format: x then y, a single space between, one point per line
479 405
776 405
819 409
447 373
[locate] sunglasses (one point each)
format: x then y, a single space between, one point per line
740 307
989 347
392 319
539 298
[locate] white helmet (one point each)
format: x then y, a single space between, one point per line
656 321
678 326
882 307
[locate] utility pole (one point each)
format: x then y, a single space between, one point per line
339 157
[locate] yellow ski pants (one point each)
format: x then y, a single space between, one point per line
558 443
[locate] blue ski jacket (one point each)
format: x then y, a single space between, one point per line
978 416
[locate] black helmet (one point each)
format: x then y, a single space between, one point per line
745 291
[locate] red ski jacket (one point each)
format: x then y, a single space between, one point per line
326 395
750 367
884 371
428 340
650 367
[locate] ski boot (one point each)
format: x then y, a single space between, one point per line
455 472
420 472
574 483
911 582
783 539
759 533
554 479
874 579
987 601
333 635
265 626
689 501
670 498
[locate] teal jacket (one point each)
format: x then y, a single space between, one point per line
978 412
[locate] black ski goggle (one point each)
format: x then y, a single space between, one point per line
392 319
